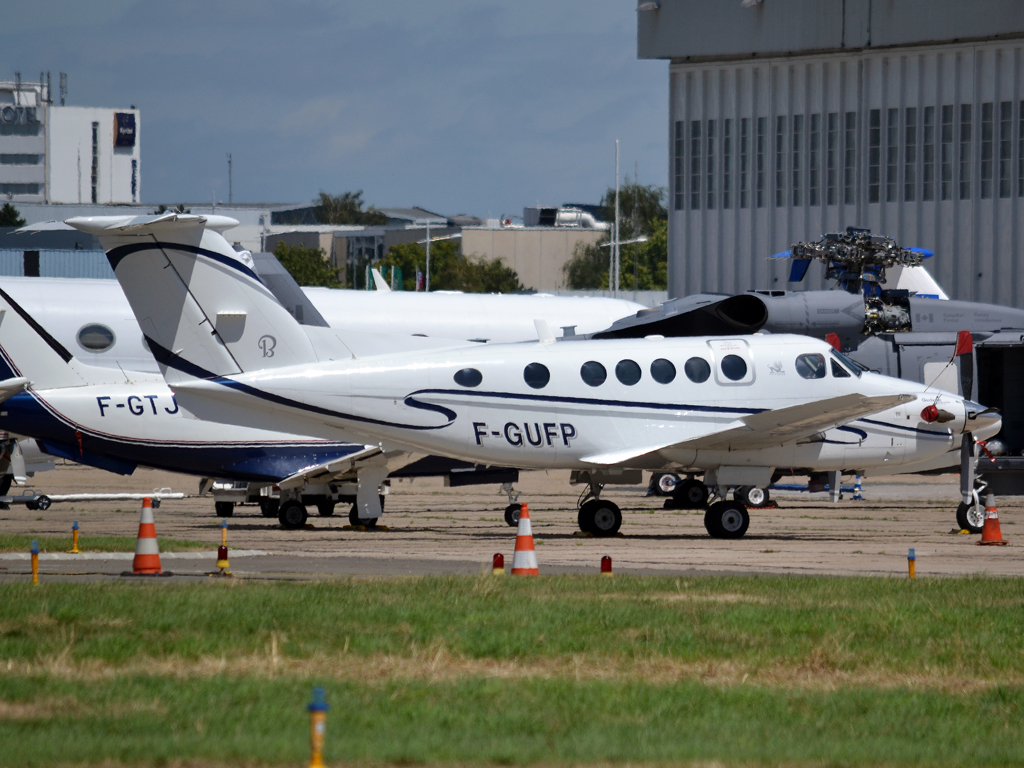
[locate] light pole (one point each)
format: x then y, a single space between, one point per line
613 281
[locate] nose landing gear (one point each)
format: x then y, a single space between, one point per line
597 516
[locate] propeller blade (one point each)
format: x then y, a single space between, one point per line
968 455
925 253
781 255
799 270
965 351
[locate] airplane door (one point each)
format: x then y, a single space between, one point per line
734 365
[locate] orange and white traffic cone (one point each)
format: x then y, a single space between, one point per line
147 550
524 560
990 533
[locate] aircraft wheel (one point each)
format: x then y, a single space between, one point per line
512 512
601 518
292 514
752 496
727 520
325 507
970 517
269 507
690 494
355 519
224 508
664 484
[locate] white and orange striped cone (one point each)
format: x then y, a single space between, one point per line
147 550
524 560
990 533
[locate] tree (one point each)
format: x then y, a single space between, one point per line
346 208
644 265
307 265
450 270
9 217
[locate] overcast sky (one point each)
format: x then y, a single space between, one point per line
462 106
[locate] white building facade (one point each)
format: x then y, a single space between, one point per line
60 154
923 141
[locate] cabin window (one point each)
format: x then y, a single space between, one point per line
662 371
734 367
469 377
593 373
96 338
697 370
536 375
838 372
811 366
627 372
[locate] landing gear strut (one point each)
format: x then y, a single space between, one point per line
514 508
597 516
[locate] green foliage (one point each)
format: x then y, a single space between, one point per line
161 209
450 270
644 265
18 542
308 266
346 208
9 217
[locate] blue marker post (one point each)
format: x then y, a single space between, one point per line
35 561
317 727
911 562
74 540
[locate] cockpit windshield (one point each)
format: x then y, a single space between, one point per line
855 368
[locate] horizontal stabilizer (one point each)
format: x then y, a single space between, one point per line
10 387
140 225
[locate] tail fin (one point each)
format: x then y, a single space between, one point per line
28 351
201 306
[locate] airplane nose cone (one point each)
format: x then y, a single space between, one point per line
980 418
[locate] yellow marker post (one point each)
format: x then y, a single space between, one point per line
35 561
911 562
222 552
74 540
317 727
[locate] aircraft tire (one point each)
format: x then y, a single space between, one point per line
727 520
752 495
664 483
970 518
690 494
269 507
512 512
600 518
325 507
292 515
43 503
224 508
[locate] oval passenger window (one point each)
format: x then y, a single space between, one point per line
811 366
628 372
734 367
468 377
662 371
697 370
593 373
536 375
96 338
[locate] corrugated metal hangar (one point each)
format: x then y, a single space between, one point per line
789 118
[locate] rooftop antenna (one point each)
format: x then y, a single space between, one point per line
615 261
63 87
49 88
17 88
231 187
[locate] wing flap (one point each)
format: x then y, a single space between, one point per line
330 469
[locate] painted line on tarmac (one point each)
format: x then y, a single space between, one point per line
130 555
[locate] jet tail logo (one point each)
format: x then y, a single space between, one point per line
267 344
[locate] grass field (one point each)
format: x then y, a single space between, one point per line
16 542
483 671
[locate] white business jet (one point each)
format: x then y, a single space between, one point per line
733 408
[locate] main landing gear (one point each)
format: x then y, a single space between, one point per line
366 522
724 518
597 516
690 493
727 519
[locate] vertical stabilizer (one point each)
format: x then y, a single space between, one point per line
200 304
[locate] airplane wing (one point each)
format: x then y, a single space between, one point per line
10 387
323 473
771 428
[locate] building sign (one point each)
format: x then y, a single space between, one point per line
124 129
20 116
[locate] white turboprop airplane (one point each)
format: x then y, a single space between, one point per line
740 407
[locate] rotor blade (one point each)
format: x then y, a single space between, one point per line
968 453
925 253
799 270
965 351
